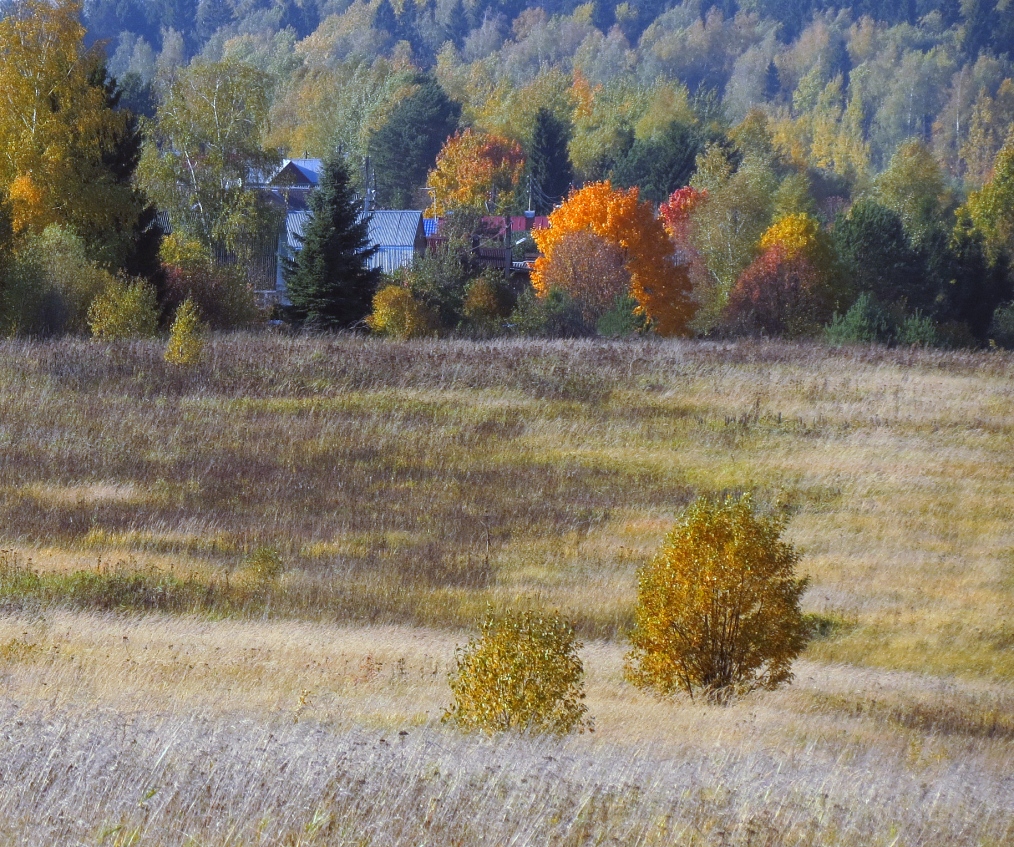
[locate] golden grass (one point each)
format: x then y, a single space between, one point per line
405 487
868 747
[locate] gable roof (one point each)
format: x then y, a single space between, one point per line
298 172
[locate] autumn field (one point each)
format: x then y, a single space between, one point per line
230 596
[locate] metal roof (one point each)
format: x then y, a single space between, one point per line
388 228
391 228
308 169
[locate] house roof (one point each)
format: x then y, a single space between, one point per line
388 228
495 225
391 228
298 172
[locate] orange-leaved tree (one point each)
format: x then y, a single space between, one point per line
660 287
474 167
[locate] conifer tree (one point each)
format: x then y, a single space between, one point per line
406 146
330 283
549 162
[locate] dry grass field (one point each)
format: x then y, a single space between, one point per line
158 687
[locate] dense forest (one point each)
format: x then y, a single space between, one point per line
818 166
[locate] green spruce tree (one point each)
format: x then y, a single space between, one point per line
548 162
405 148
330 283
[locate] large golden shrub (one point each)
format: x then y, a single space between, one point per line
522 673
126 309
396 313
718 607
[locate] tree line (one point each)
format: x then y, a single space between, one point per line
846 171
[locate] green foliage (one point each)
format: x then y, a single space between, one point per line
486 304
918 330
661 164
718 606
405 148
50 284
205 141
866 322
972 280
126 309
329 282
557 315
1001 330
440 278
523 673
549 162
622 319
877 256
186 337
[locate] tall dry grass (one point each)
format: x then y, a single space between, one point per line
416 482
158 686
169 731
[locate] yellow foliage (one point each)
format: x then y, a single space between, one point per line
183 251
186 336
56 126
522 673
126 309
718 607
25 199
796 234
398 314
483 305
660 287
472 167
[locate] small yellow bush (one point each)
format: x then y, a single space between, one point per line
483 305
522 673
186 336
125 309
718 607
398 314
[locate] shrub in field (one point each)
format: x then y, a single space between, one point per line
918 330
486 304
622 319
398 314
1002 328
186 336
126 309
555 315
264 565
221 291
591 270
522 673
718 607
866 322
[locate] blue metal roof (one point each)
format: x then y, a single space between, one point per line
399 235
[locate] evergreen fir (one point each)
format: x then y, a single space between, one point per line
330 283
405 148
549 162
658 166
